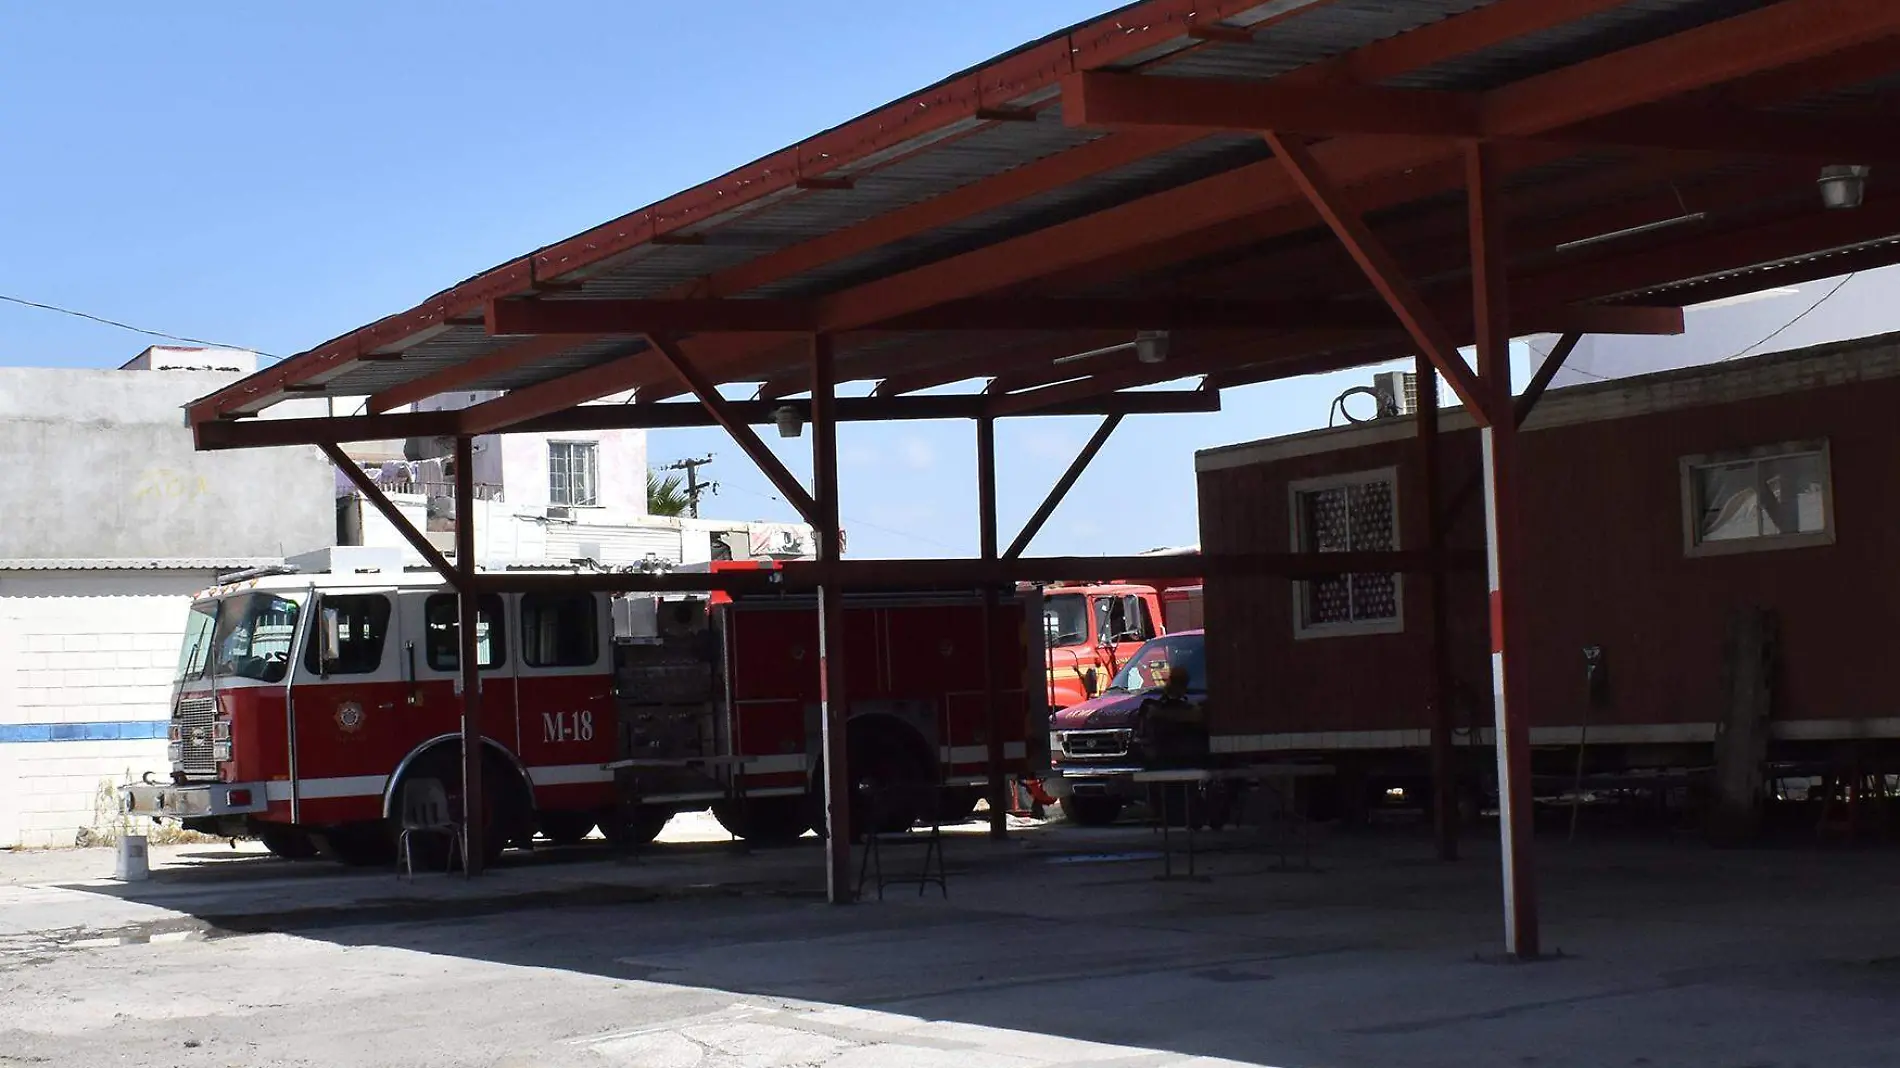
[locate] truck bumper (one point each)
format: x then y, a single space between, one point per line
194 800
1068 780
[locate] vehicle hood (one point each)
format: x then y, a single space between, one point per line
1109 711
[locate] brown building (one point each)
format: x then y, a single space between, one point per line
1657 513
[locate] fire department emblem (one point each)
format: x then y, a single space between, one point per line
349 716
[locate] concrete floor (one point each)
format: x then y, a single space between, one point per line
1057 948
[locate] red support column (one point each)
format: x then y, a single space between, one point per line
992 700
833 703
1503 542
473 831
1444 756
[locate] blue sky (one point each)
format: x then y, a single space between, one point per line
272 175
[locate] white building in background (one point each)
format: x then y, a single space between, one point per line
547 499
112 523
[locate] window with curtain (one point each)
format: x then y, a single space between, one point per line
1771 497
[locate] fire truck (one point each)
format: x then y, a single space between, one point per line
308 697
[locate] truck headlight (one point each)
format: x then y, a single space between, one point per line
1055 741
174 752
220 751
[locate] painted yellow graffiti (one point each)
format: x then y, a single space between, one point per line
163 482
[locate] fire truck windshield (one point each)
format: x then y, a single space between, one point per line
1065 617
246 637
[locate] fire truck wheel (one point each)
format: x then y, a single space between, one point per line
567 828
960 804
358 845
290 843
1091 811
642 826
765 820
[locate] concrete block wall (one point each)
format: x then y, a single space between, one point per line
86 664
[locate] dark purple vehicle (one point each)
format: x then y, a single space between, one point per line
1096 747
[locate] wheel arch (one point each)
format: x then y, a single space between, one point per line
489 745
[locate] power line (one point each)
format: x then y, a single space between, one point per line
860 522
1777 333
23 302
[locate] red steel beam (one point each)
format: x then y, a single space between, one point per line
1130 101
1120 101
1457 35
742 433
374 495
1370 254
1778 35
1540 378
1062 487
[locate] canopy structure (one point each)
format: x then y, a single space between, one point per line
1218 191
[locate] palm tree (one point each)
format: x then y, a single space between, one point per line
666 494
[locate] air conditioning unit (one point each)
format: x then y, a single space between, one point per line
1397 391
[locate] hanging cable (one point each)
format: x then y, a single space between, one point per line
1778 330
23 302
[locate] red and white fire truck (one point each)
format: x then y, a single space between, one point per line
307 699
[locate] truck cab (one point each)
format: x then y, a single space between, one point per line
1091 632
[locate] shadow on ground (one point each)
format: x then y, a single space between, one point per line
1672 953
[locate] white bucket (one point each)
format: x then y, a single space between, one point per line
134 865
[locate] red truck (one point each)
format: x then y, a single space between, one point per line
306 700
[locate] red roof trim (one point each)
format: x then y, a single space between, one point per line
1039 66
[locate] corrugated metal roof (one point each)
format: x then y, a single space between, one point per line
894 168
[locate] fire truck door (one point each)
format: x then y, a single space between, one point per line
431 660
346 707
564 683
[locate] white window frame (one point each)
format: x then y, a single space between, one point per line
1693 546
590 449
1302 629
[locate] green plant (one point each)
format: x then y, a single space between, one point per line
666 494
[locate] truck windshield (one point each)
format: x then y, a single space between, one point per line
197 647
1065 618
1160 660
250 639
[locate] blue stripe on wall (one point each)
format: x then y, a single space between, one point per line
124 730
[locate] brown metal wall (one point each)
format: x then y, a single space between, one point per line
1603 526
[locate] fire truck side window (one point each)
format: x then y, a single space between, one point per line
362 622
442 619
1141 625
560 630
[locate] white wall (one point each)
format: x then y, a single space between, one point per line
104 467
519 462
86 662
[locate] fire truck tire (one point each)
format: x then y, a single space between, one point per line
357 845
290 843
1091 811
884 756
509 812
567 828
765 820
960 804
643 826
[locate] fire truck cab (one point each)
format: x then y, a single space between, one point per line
1090 631
307 700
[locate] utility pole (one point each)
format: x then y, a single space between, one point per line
693 486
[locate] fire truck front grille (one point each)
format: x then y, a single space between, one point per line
194 720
